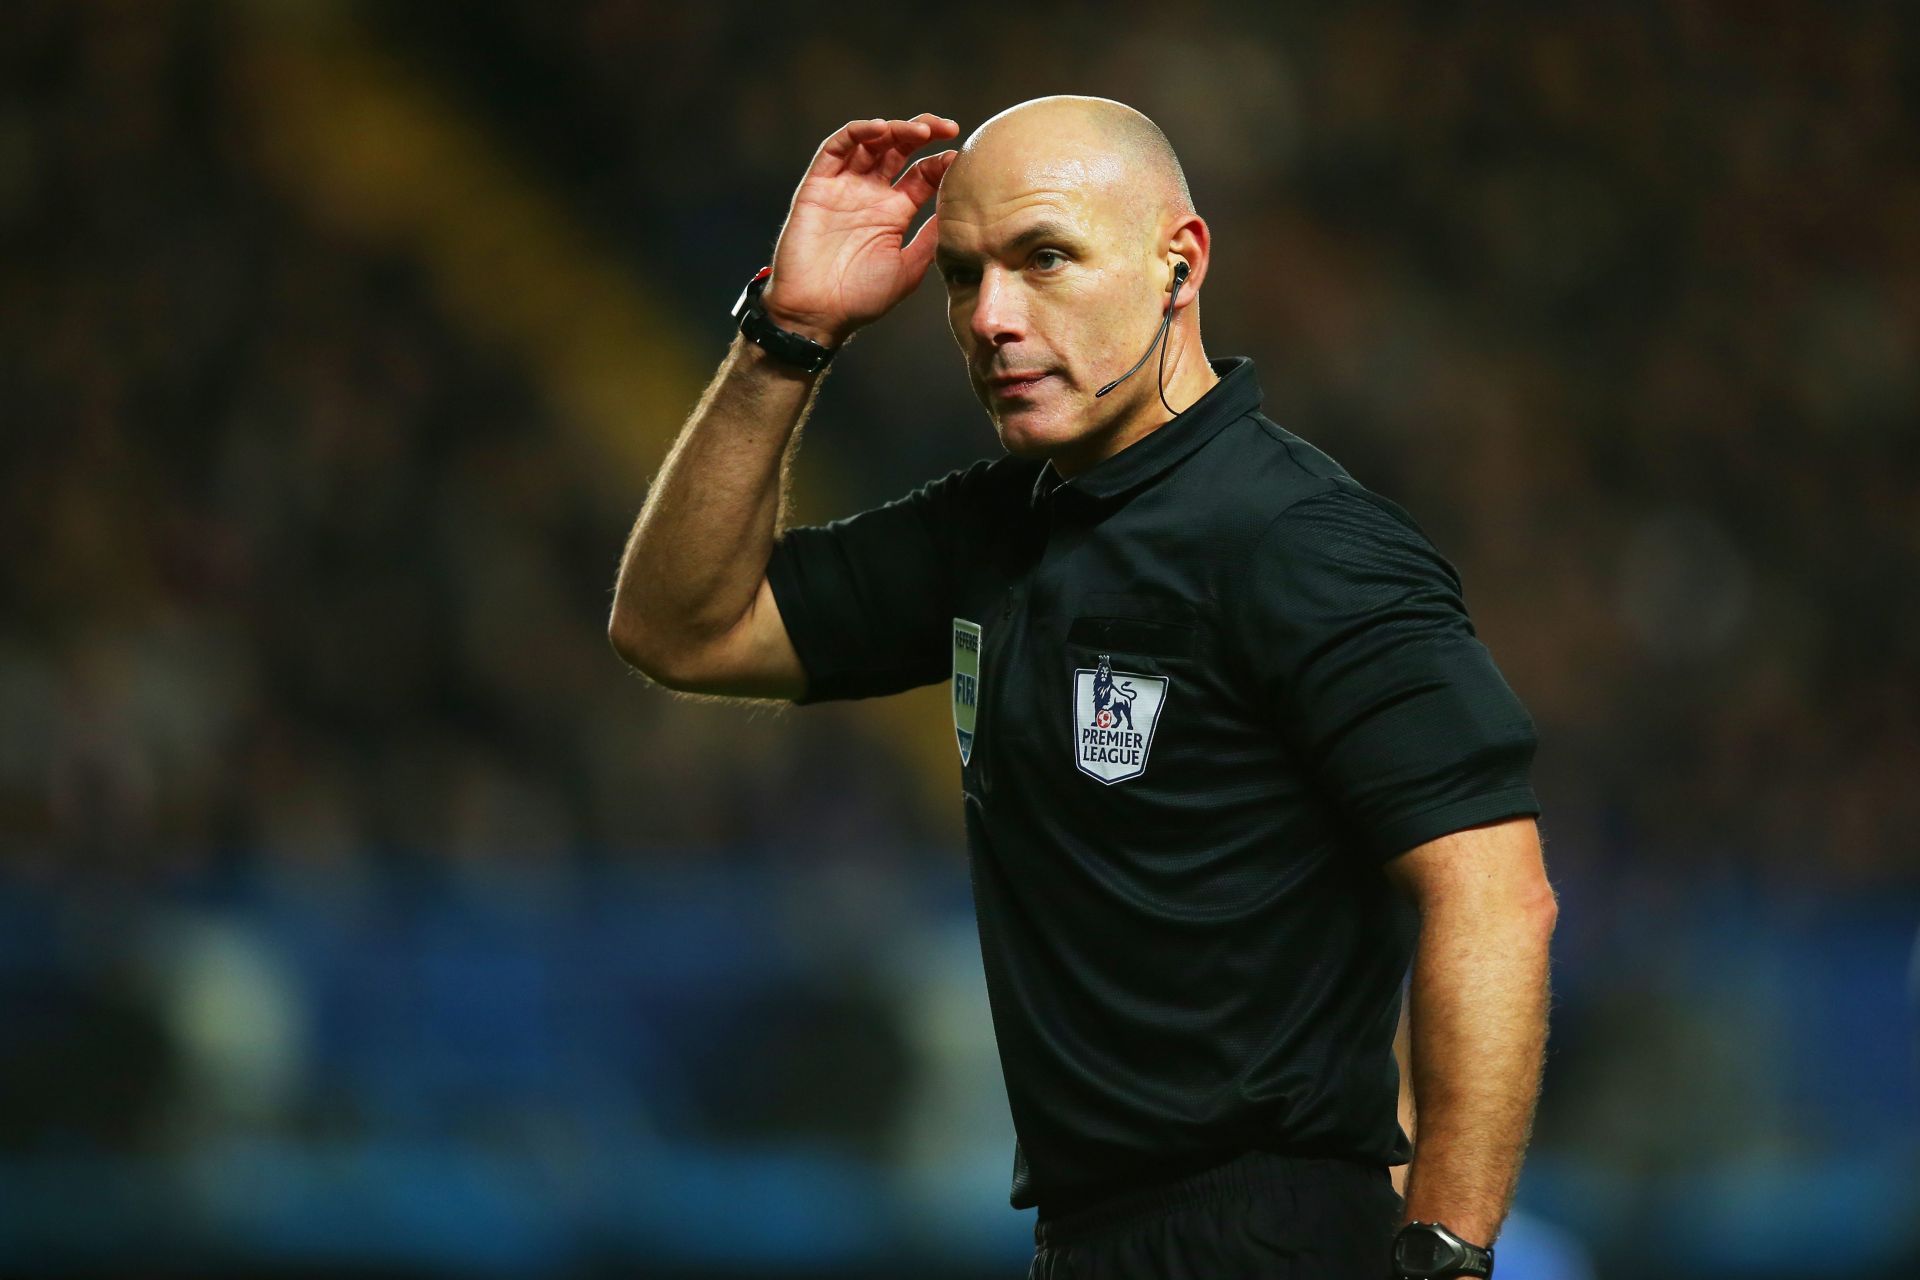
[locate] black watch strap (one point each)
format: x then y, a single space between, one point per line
784 344
1429 1251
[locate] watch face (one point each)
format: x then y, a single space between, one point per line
1421 1252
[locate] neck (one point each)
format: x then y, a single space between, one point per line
1189 377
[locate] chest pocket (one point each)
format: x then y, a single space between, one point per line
1154 626
1147 636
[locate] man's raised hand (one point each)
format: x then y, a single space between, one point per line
842 261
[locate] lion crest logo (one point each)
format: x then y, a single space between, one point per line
1114 716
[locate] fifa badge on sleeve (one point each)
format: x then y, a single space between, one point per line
966 684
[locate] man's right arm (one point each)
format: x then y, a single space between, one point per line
692 608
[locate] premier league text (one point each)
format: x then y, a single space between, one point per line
1112 746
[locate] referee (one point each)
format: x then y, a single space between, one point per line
1231 757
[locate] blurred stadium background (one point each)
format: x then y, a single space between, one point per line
358 915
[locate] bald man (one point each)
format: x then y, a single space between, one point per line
1232 759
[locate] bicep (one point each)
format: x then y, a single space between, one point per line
1497 867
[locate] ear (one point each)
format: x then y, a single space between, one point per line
1191 243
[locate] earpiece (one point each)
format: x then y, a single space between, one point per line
1179 272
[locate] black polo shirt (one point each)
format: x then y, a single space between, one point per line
1202 692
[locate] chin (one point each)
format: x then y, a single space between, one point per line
1036 436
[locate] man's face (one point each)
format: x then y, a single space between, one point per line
1045 274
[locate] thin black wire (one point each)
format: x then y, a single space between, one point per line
1166 322
1160 382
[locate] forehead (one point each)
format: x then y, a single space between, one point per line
993 205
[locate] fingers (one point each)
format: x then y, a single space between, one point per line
890 145
838 148
874 140
923 176
865 145
941 126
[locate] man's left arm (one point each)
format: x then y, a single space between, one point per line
1478 1008
1356 629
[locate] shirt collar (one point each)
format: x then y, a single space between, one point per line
1234 396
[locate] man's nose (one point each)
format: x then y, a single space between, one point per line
999 310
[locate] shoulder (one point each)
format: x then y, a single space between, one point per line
1311 537
1279 487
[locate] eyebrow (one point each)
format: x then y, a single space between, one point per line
1033 234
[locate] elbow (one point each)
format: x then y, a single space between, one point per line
640 650
1525 912
625 645
1536 940
629 641
1542 910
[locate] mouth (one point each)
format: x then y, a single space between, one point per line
1016 385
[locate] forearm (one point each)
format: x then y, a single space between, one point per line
1479 1002
699 548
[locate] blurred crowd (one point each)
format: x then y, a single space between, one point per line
307 573
299 571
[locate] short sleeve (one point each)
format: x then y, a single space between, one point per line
867 599
1357 636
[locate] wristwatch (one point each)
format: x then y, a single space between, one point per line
1428 1251
784 344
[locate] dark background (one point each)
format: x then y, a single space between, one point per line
359 914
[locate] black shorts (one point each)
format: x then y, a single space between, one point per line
1258 1215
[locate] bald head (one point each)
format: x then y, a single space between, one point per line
1061 224
1114 156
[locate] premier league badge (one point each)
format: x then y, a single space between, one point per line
966 683
1114 714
